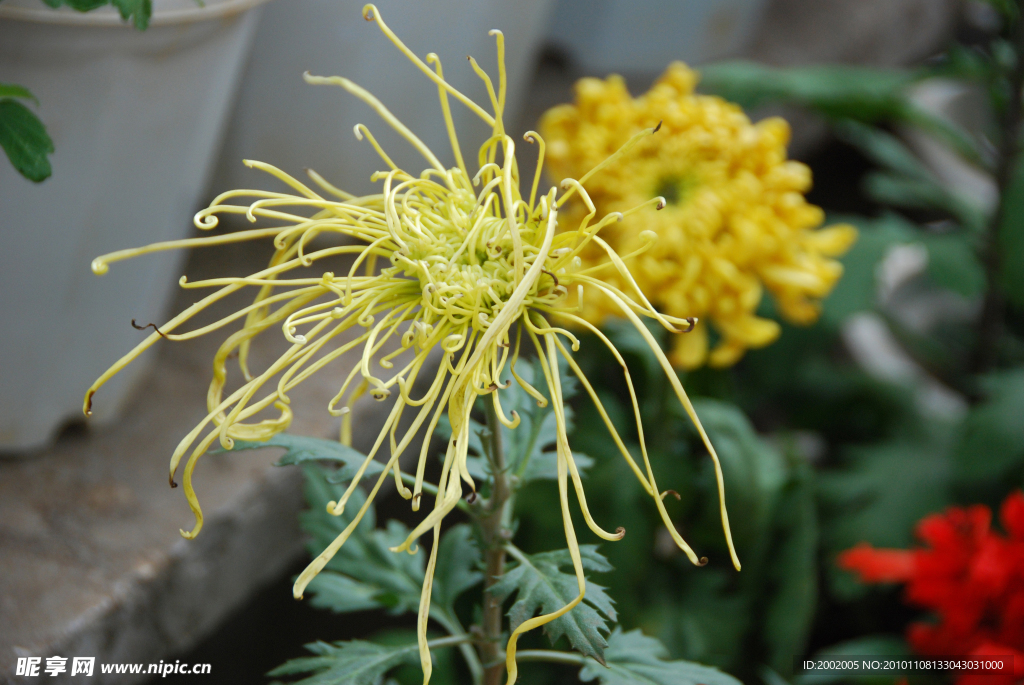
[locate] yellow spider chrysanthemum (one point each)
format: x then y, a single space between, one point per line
736 219
469 265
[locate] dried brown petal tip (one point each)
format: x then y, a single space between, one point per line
148 325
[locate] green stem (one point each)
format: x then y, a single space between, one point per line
449 641
494 533
551 655
455 629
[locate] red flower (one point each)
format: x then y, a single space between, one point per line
969 576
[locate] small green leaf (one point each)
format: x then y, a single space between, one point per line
347 663
13 90
991 442
23 137
1011 236
139 11
84 5
635 659
541 586
457 562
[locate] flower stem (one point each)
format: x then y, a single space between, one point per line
495 535
551 655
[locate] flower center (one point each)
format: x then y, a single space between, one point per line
675 189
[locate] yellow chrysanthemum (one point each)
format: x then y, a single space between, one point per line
736 220
470 266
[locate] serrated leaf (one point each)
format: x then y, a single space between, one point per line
301 449
392 580
541 586
341 594
991 440
355 662
457 562
25 140
635 659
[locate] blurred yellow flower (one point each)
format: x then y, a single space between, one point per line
735 219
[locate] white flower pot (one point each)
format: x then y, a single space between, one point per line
643 36
281 120
136 118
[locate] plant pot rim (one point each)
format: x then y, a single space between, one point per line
107 17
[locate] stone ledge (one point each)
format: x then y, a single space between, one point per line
91 560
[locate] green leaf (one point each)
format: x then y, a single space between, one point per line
635 659
912 193
712 621
541 586
874 645
884 149
871 499
13 90
991 442
836 90
301 449
793 573
23 137
907 181
1011 236
82 5
139 11
857 290
754 471
457 561
370 570
953 264
355 662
